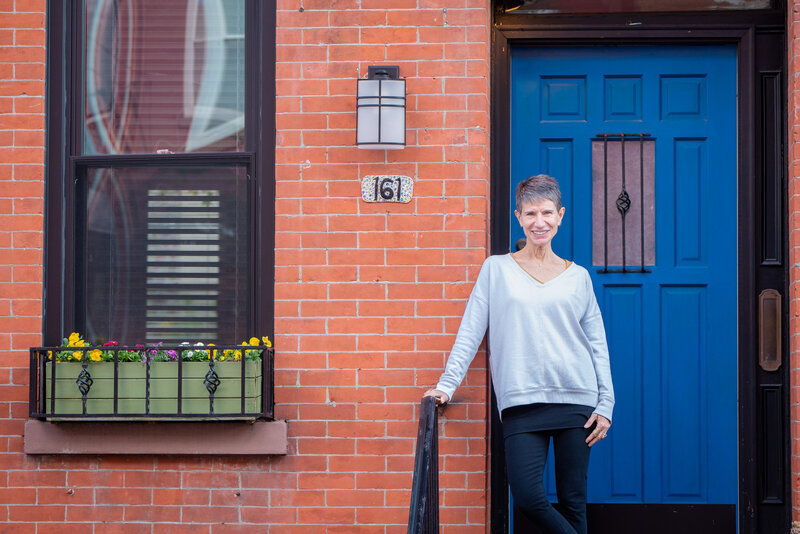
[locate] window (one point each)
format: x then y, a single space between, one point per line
159 183
168 250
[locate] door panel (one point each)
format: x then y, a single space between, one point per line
671 330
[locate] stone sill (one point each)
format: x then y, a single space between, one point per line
184 438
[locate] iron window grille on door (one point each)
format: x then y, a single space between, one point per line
623 202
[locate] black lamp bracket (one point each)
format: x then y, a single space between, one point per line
383 72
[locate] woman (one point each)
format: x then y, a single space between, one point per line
549 361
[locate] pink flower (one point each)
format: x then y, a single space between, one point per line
110 344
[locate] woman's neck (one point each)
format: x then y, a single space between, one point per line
541 254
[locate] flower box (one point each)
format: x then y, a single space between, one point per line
205 390
163 395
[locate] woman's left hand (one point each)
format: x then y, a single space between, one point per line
600 429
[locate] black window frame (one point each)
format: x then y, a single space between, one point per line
64 161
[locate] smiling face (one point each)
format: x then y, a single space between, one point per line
539 220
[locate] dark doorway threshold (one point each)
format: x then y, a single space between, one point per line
650 519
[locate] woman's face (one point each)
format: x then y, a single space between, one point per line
539 220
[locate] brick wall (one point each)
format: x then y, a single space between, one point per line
22 73
368 296
793 152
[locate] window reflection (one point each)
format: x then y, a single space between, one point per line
163 77
167 255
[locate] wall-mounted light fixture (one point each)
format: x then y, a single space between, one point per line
381 105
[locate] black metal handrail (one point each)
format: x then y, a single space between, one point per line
423 517
68 390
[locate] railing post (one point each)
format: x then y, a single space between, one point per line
423 517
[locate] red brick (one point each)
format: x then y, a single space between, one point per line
359 18
39 478
24 20
362 290
365 52
211 480
326 446
289 497
179 529
37 512
150 479
383 515
23 54
329 274
11 496
124 496
326 516
30 71
99 513
202 514
35 6
277 516
326 480
66 496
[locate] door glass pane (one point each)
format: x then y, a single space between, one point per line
634 6
163 77
623 202
167 255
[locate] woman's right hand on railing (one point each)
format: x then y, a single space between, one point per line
440 396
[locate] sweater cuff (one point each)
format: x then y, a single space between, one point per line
446 390
604 410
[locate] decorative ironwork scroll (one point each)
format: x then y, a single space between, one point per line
84 382
211 382
623 202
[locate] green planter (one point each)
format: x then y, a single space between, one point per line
132 384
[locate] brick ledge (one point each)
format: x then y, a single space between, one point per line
212 438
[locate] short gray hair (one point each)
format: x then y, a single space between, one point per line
539 187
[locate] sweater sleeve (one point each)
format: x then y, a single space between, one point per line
470 334
592 324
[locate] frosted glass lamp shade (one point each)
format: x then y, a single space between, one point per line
381 105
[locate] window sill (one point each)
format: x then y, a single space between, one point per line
218 438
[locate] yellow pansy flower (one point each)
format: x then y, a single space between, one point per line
74 337
77 355
96 355
254 341
267 342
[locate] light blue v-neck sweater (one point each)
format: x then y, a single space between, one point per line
547 342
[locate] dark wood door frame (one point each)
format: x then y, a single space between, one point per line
763 403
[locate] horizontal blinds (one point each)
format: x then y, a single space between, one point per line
183 265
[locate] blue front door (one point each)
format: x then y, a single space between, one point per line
671 329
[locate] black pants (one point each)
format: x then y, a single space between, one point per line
526 455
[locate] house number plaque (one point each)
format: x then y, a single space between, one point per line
387 188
